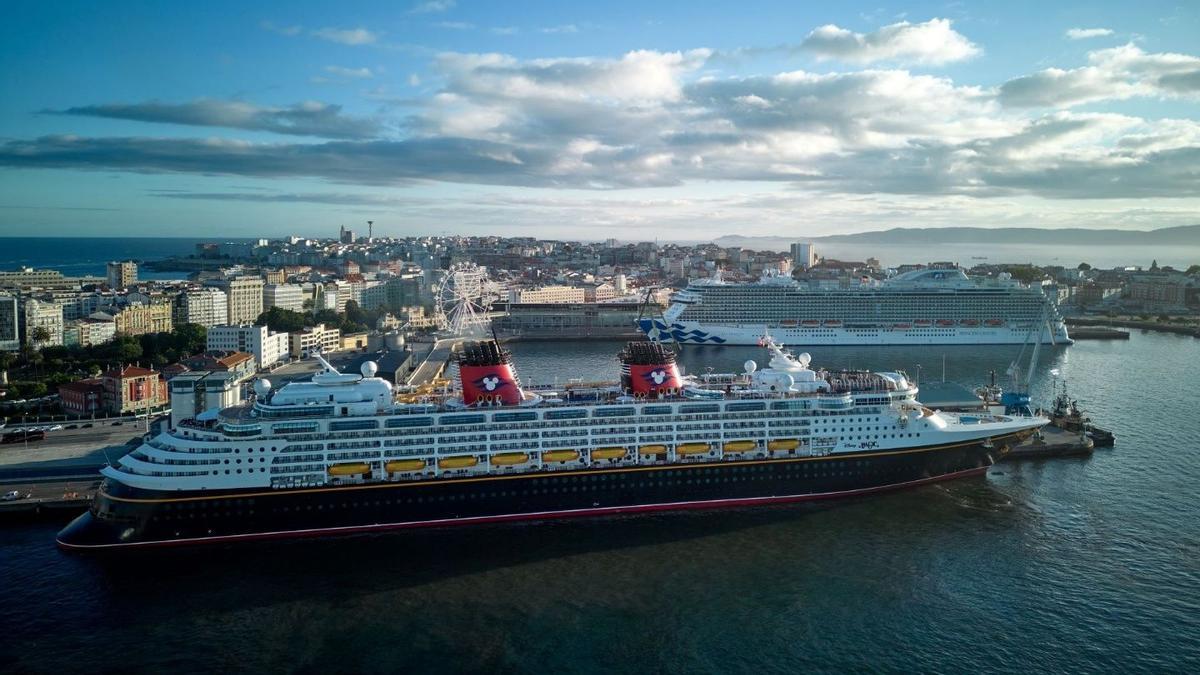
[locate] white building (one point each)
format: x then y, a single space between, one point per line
10 336
195 392
283 296
122 274
804 255
88 332
207 307
547 295
317 338
48 315
268 348
244 298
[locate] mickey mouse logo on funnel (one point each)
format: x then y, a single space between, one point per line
489 384
650 379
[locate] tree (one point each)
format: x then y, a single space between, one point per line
355 315
1193 270
281 320
1084 267
39 334
190 338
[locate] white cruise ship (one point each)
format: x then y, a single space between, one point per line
929 306
341 454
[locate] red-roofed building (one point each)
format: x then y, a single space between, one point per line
133 389
85 397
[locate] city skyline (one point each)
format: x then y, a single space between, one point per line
671 122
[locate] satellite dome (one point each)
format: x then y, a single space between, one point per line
369 368
750 366
261 387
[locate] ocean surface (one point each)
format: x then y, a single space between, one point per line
1064 565
87 256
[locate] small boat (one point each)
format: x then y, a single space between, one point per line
560 455
783 444
509 459
994 322
788 322
740 446
608 453
653 450
351 469
811 322
833 323
402 465
457 462
691 448
945 322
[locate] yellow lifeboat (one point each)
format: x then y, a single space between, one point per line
560 455
783 444
349 469
509 458
401 465
653 449
691 448
740 446
459 462
608 453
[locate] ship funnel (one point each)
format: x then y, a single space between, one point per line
486 374
648 370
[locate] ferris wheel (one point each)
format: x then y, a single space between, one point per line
463 297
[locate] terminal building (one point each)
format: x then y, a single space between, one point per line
563 321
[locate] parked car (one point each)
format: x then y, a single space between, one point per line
56 427
72 426
11 496
86 426
117 423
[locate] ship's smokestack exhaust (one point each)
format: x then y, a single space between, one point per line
486 374
648 370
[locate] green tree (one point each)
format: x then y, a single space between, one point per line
189 338
1084 267
39 335
281 320
1193 270
355 315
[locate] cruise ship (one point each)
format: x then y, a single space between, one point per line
929 306
344 453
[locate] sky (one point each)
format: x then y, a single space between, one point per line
631 120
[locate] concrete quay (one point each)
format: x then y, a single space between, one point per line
1054 442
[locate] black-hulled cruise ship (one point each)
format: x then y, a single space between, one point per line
343 453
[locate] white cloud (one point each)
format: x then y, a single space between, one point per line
1085 33
1111 74
290 31
504 30
933 42
565 28
347 36
455 25
433 7
350 73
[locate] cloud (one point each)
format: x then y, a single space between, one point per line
933 42
347 36
1111 74
455 25
504 30
660 119
290 31
333 198
1085 33
565 28
433 7
349 73
310 118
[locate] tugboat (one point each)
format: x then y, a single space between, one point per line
1066 415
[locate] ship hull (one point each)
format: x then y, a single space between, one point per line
123 517
803 336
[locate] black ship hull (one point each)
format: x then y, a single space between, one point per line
124 517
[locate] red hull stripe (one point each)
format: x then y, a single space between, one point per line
538 515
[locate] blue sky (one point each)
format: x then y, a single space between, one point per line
616 119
